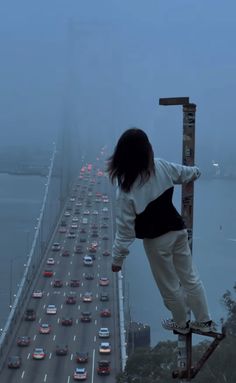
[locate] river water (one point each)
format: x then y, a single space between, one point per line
214 247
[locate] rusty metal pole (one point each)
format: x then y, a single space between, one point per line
184 359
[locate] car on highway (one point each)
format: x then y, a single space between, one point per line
78 249
103 367
104 297
39 353
14 361
80 374
48 273
51 309
74 283
65 321
71 234
89 276
62 229
82 240
86 316
104 332
104 281
65 253
106 253
57 283
30 314
105 348
50 261
61 350
82 357
105 313
67 214
104 226
56 246
105 238
37 294
23 341
71 298
88 260
74 226
87 296
44 328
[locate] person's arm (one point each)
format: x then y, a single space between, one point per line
125 232
181 174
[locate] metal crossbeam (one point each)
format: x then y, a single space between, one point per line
193 370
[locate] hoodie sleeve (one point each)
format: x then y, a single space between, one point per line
181 174
125 230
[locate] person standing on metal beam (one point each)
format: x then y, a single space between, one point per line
145 210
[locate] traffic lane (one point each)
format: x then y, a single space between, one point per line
44 376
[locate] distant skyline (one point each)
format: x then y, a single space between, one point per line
101 67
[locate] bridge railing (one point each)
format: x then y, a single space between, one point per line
31 267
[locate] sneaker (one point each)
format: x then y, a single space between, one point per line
171 325
209 326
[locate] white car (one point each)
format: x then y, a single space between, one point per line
37 294
39 353
80 374
103 332
56 246
50 261
51 309
105 348
75 219
74 226
87 260
67 214
105 209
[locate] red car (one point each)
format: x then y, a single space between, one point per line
103 367
82 357
57 283
105 313
65 253
48 273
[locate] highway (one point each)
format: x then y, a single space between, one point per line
86 222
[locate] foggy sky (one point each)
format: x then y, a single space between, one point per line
100 67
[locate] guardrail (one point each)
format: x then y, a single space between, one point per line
34 259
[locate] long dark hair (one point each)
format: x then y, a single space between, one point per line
132 158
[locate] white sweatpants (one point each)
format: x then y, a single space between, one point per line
170 260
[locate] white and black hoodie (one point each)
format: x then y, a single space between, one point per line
147 210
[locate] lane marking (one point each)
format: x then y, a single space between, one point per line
93 365
95 338
35 336
45 378
28 356
50 356
74 338
22 375
71 357
54 337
